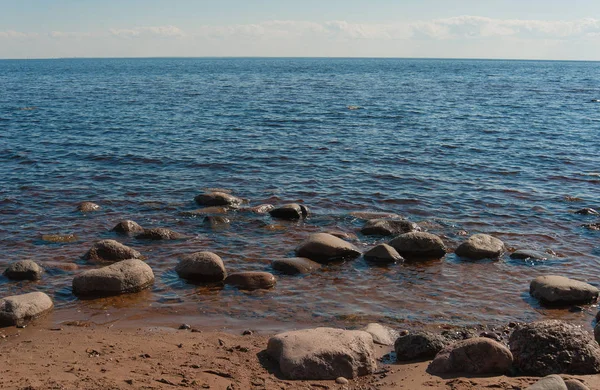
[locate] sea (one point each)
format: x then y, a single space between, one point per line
507 148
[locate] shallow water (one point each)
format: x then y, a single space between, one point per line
508 148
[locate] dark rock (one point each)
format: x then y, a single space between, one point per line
251 280
295 265
587 211
526 254
418 346
111 250
383 253
592 226
201 267
127 276
24 270
59 238
323 248
479 355
597 332
554 347
86 207
160 234
388 227
554 289
419 245
289 211
480 246
550 382
323 353
185 327
217 199
217 222
127 227
19 310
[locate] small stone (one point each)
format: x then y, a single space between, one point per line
383 253
341 380
160 234
290 211
295 265
201 267
111 250
550 382
388 227
127 227
86 207
324 248
480 246
24 270
419 246
555 289
185 327
251 280
587 211
217 199
247 332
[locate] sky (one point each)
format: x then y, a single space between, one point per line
512 29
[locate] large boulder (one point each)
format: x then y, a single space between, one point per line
290 211
160 234
323 353
323 248
86 207
419 245
550 382
20 309
24 270
478 355
201 267
295 265
418 346
480 246
127 227
217 199
383 253
554 347
111 250
251 280
388 227
127 276
553 289
382 334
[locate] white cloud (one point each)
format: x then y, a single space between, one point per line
150 32
11 34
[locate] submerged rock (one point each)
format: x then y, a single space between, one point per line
374 215
86 207
201 267
295 265
480 246
419 245
478 355
592 226
526 254
555 289
24 270
127 276
290 211
127 227
323 248
217 199
587 211
111 250
217 222
388 227
60 238
21 309
383 253
251 280
261 208
160 234
418 346
323 353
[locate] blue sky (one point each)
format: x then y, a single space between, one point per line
550 29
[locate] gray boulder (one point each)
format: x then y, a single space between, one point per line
555 289
201 267
217 199
251 280
323 248
127 276
160 234
295 265
418 346
323 353
127 227
382 334
111 250
526 254
554 347
388 227
574 384
550 382
86 207
290 211
24 270
21 309
419 245
480 246
383 253
478 355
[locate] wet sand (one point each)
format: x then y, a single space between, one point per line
80 355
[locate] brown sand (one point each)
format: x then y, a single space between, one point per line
78 356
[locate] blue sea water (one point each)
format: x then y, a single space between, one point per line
509 148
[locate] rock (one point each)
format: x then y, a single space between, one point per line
60 237
554 347
592 226
323 248
381 334
343 235
587 211
341 381
289 211
383 253
419 245
201 267
86 207
111 250
217 222
160 234
597 332
21 309
478 355
251 280
295 265
574 384
526 254
374 215
204 211
551 382
185 327
418 346
261 208
127 276
555 289
388 227
480 246
323 353
24 270
127 227
217 199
